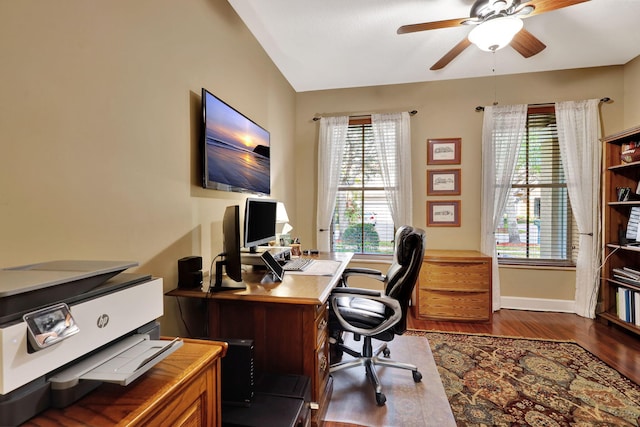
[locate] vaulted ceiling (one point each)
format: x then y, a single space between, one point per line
332 44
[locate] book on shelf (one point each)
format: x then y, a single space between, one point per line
626 273
628 305
627 280
632 224
635 271
623 302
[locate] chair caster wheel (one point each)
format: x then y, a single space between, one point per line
386 353
380 399
417 376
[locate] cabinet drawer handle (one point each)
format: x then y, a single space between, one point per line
323 363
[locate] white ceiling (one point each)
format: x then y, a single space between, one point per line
331 44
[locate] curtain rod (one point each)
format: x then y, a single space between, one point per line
602 100
412 113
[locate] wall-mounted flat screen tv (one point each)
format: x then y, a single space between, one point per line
235 150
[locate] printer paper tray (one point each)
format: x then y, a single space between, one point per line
120 363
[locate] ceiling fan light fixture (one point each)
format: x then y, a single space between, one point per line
495 33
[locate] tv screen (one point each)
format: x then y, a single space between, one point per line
236 151
259 222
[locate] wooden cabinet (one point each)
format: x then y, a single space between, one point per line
454 285
617 254
182 390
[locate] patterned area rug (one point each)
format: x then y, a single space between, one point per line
496 381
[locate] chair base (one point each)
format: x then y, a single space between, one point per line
369 359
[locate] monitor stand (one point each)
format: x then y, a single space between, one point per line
228 285
279 252
225 283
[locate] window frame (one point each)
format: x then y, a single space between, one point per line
571 228
360 121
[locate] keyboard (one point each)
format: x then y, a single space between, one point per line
297 264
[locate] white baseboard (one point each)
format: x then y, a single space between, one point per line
538 304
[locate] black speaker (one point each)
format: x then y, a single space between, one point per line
190 272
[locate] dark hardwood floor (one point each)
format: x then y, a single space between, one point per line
613 345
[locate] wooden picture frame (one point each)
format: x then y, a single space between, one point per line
443 182
445 213
445 151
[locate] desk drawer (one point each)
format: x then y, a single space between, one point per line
322 365
443 305
321 323
456 275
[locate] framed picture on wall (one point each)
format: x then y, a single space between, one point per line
444 213
444 182
443 151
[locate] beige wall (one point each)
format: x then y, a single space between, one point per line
447 109
99 123
632 93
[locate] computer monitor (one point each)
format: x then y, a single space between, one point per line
230 253
259 222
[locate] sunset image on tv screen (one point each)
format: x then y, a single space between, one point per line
237 149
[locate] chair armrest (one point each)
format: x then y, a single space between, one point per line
356 291
363 272
390 303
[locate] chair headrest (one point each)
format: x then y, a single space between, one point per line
407 238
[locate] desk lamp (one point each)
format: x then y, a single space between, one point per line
283 219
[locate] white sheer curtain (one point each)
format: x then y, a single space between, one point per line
578 135
332 140
503 130
392 138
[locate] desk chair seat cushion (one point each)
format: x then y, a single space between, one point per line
361 313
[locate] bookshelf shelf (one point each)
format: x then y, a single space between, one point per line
623 167
625 204
617 253
632 248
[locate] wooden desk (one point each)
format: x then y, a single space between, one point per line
182 390
287 321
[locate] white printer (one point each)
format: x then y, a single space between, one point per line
68 326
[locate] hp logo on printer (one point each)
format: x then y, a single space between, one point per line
102 321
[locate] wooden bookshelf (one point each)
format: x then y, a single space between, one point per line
615 215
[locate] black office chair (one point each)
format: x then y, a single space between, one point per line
371 314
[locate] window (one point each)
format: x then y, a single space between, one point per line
362 221
538 226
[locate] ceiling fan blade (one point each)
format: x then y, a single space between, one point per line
450 56
542 6
526 44
413 28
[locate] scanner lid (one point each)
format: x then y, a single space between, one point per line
28 278
30 287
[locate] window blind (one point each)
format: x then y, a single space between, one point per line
538 222
362 219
